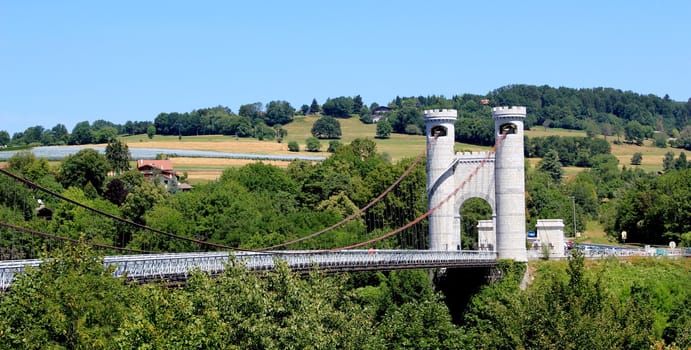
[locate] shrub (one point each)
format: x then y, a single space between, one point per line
313 144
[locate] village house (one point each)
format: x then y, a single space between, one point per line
379 113
163 168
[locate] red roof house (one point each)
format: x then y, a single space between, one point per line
151 168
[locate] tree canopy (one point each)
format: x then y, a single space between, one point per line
326 127
339 107
84 167
118 156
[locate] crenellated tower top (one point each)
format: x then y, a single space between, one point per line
509 112
440 114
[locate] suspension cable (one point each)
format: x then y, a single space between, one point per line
117 218
363 209
60 238
266 250
429 212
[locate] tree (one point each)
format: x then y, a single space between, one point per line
81 305
33 134
105 134
4 138
85 167
476 131
357 104
551 165
60 134
115 191
28 165
660 140
264 132
118 156
402 118
637 158
363 148
278 112
334 145
339 107
142 199
655 210
420 325
634 132
151 131
81 134
684 139
281 133
591 128
365 115
314 107
313 144
252 110
384 129
326 127
668 161
583 314
258 177
681 163
304 109
293 146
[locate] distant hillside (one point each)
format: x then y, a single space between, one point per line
598 111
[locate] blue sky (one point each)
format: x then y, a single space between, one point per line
71 61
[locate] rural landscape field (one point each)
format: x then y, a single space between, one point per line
396 147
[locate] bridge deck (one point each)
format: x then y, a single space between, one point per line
178 266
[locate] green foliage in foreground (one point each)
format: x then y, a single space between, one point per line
72 301
611 305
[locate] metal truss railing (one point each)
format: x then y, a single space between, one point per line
179 266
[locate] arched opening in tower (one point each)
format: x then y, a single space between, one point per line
438 131
508 128
472 211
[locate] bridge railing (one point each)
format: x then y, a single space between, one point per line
179 266
603 251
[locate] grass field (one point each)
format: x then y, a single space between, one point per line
652 156
396 147
594 233
538 131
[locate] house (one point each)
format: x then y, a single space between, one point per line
163 168
379 113
153 168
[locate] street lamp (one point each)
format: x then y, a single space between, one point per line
573 199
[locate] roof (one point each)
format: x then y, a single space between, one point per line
381 109
164 165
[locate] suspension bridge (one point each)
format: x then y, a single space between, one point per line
495 176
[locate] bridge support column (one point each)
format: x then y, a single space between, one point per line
440 180
509 182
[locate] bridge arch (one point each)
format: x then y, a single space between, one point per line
481 185
472 211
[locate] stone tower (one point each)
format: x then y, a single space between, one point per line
496 178
509 180
440 182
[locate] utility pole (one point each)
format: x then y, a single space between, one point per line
573 199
